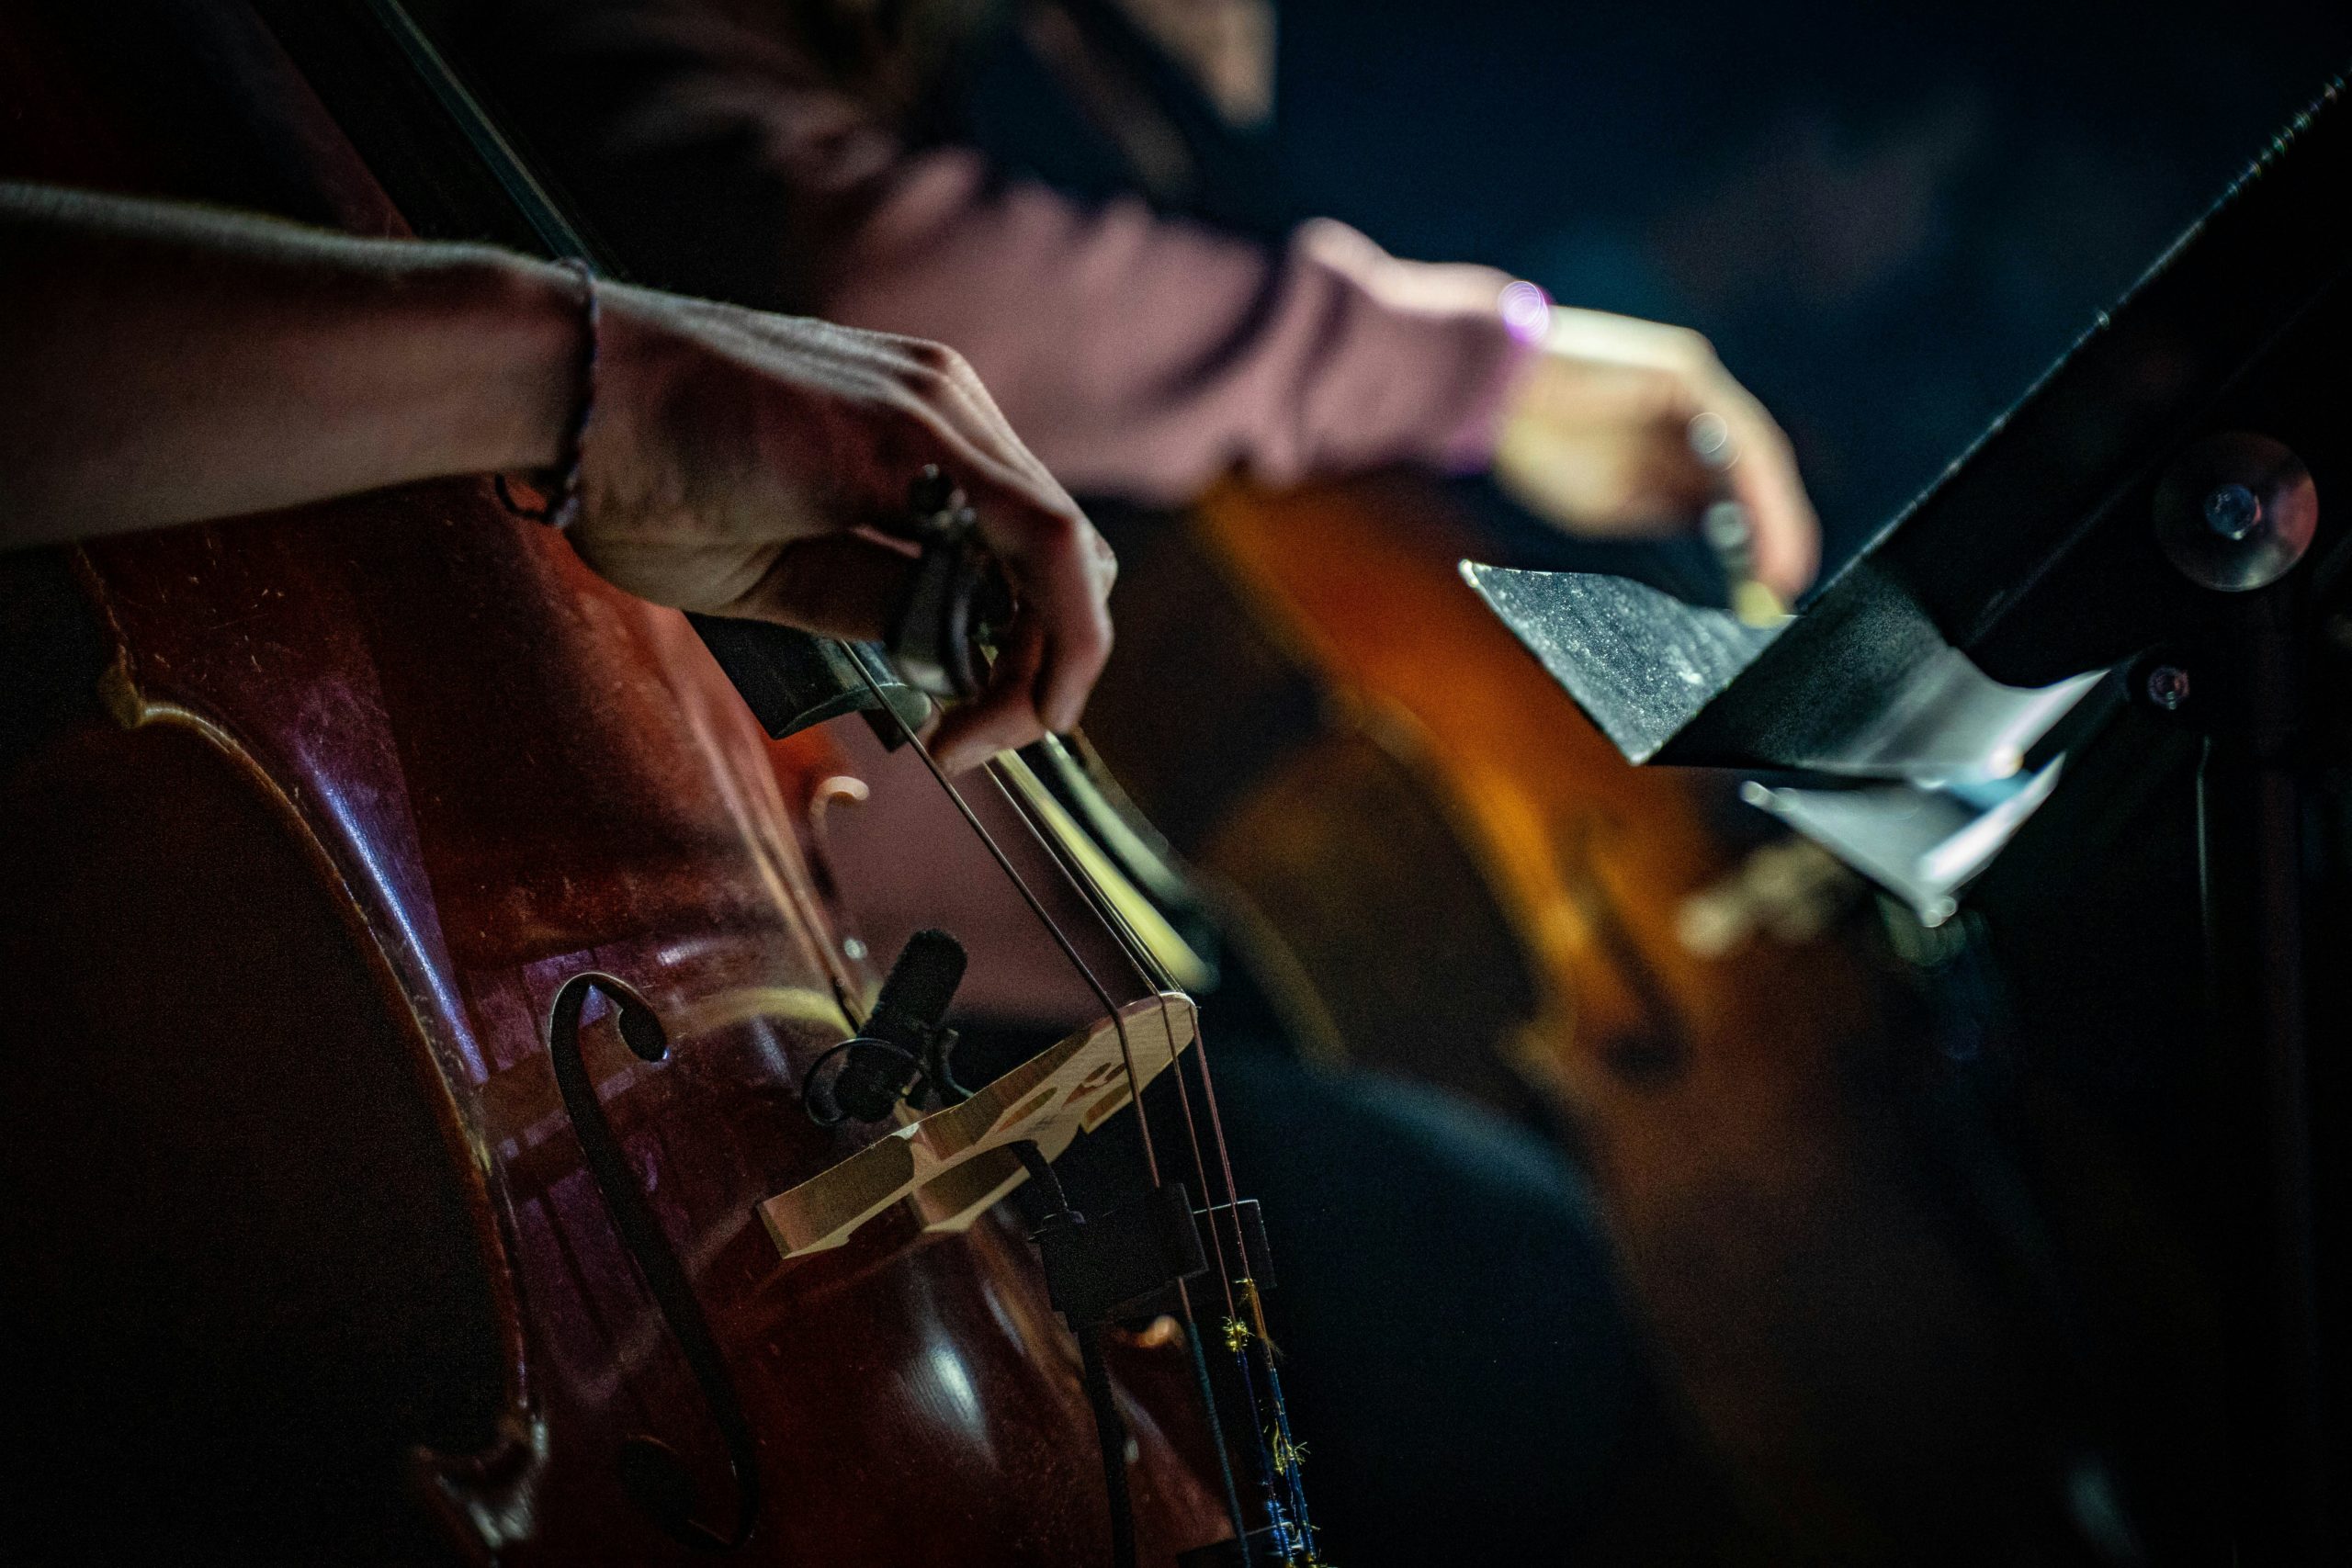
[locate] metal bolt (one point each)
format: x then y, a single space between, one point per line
2232 511
2169 687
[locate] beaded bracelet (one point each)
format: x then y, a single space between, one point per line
562 508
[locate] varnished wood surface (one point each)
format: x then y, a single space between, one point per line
462 770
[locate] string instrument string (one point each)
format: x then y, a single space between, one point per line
1289 1533
1244 1333
1036 907
1154 974
1273 1445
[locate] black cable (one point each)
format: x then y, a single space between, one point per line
1216 1441
1110 1430
1109 1426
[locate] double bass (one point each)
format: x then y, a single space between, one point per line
427 1132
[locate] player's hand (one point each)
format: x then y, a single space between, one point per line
1597 440
740 464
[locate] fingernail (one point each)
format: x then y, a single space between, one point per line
1757 605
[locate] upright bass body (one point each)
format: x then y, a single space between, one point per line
415 954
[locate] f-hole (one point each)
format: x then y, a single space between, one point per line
652 1474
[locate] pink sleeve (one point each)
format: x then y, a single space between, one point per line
1146 356
1136 353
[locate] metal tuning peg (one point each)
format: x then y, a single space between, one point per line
944 632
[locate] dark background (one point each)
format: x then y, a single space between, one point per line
1888 219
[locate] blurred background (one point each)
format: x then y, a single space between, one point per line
1890 219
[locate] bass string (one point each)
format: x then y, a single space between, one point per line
1037 908
560 238
1269 1421
1273 1471
1069 949
1149 970
1277 1451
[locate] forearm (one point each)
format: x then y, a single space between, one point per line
165 364
1145 357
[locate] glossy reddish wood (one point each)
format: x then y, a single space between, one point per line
497 774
